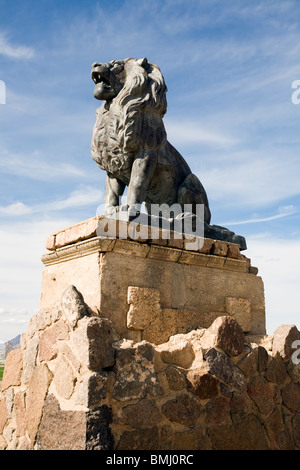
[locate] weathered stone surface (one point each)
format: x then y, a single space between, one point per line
13 369
144 307
36 394
284 337
249 363
291 396
285 440
73 306
241 406
229 335
64 378
49 338
276 371
29 357
177 351
20 413
220 248
182 409
262 394
61 430
218 411
3 443
274 424
202 384
98 432
140 439
296 429
176 379
4 415
92 342
195 439
135 372
240 309
224 369
143 413
92 389
247 435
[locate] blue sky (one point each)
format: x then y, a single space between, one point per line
229 67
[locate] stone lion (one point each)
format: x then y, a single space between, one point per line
130 142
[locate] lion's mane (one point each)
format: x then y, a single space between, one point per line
132 122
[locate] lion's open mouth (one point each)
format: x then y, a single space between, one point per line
97 77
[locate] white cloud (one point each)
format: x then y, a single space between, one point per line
84 196
13 51
191 132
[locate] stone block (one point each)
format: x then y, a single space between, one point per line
220 365
176 379
4 414
183 409
36 394
61 430
13 369
276 371
262 394
143 413
144 307
228 335
48 340
73 306
92 389
64 378
291 396
202 384
142 438
20 413
240 309
92 340
177 351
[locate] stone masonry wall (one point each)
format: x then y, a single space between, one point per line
74 384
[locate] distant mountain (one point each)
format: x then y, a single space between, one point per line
2 351
12 344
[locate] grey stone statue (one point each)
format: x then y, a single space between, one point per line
130 143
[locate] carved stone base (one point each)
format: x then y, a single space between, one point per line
153 288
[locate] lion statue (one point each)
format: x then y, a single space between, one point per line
130 143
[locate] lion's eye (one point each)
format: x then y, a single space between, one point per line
118 68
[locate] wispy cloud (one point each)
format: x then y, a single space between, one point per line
283 212
14 51
84 196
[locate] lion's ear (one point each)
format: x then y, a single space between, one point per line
142 62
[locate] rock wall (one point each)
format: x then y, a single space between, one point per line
75 384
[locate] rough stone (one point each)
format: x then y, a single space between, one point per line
241 406
262 394
3 443
274 424
202 384
176 379
291 396
140 439
20 413
144 307
29 357
284 337
135 372
182 409
61 430
4 415
220 365
36 394
92 341
48 340
240 309
143 413
296 429
229 335
98 432
276 371
249 363
177 351
92 389
64 378
13 369
218 411
73 306
247 435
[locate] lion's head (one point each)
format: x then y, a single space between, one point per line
134 95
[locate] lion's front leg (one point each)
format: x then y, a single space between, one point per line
114 190
141 175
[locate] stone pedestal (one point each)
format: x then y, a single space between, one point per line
153 288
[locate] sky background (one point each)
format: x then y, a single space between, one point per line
229 67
